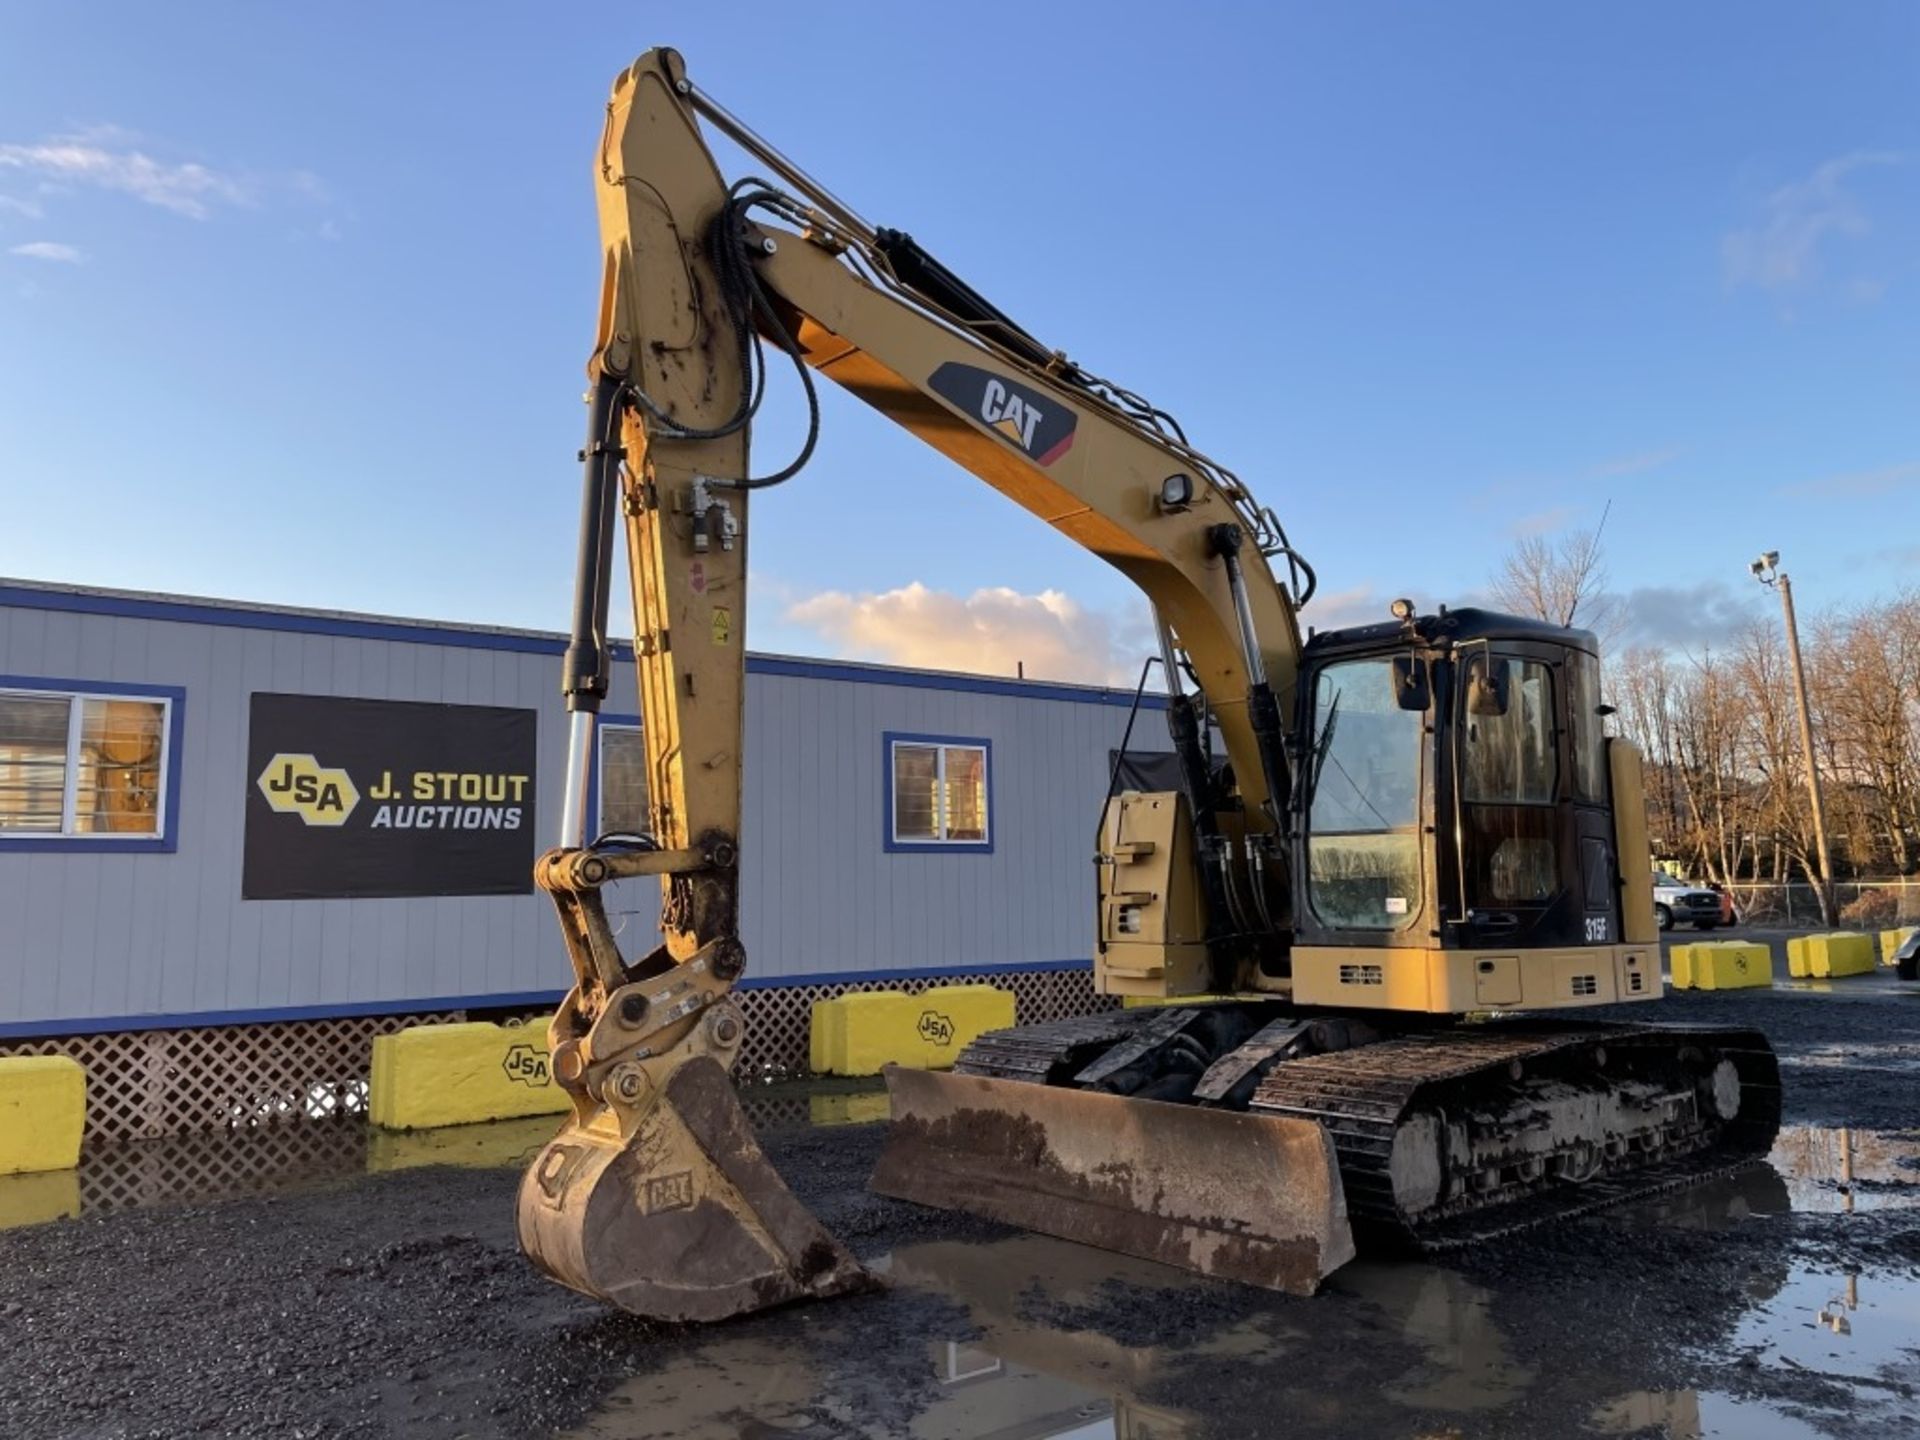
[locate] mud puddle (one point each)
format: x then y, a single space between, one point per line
1698 1415
1040 1338
1824 1354
981 1355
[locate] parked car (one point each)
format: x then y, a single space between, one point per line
1675 903
1907 958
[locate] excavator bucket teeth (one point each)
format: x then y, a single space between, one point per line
684 1220
1251 1198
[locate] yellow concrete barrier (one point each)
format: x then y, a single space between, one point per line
37 1198
1721 965
43 1109
504 1145
858 1034
827 1035
861 1109
432 1075
1892 940
1830 956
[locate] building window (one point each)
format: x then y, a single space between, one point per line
623 782
87 766
939 793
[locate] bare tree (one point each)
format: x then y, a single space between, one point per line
1725 771
1562 581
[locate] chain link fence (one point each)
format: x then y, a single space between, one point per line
1859 904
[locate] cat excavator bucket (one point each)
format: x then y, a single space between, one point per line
1252 1198
681 1220
655 1196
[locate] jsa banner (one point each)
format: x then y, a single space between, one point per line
387 797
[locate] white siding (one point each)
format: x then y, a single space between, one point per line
90 936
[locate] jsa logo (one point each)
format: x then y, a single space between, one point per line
1009 414
301 785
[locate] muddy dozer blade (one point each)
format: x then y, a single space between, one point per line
683 1221
1252 1198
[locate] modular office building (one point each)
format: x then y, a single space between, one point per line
238 841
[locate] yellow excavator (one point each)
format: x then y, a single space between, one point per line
1392 848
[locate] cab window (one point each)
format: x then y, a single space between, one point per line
1589 728
1364 803
1509 777
1509 734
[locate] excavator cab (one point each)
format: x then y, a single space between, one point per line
1460 829
1453 842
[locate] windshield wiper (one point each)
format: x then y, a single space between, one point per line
1322 746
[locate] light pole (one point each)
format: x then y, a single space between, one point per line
1767 571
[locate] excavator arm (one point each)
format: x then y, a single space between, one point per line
655 1195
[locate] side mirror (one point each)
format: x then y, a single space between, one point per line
1488 685
1412 689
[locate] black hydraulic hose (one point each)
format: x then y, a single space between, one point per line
750 312
1183 728
584 673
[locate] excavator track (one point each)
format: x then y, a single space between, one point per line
1503 1079
1047 1053
1453 1135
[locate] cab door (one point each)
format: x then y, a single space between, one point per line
1520 859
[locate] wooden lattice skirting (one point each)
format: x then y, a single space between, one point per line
147 1084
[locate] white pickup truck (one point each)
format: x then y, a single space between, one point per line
1675 902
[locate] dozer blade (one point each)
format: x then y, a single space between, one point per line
1251 1198
683 1221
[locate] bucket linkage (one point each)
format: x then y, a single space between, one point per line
655 1196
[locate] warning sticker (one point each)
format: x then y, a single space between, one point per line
722 625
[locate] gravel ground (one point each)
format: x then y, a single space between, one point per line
397 1305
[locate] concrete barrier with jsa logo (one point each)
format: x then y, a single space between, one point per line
431 1075
857 1034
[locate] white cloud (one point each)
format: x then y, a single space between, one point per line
993 632
1542 522
186 189
49 250
1638 464
1860 484
1783 248
106 157
1337 609
1689 618
15 205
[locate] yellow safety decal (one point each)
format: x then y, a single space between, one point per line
722 625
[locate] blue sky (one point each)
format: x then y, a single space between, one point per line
294 301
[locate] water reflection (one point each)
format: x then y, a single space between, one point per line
1465 1364
749 1389
1027 1297
1838 1169
1849 1323
303 1155
1697 1415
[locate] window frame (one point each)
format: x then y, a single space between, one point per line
1556 686
166 841
1420 729
602 724
889 835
